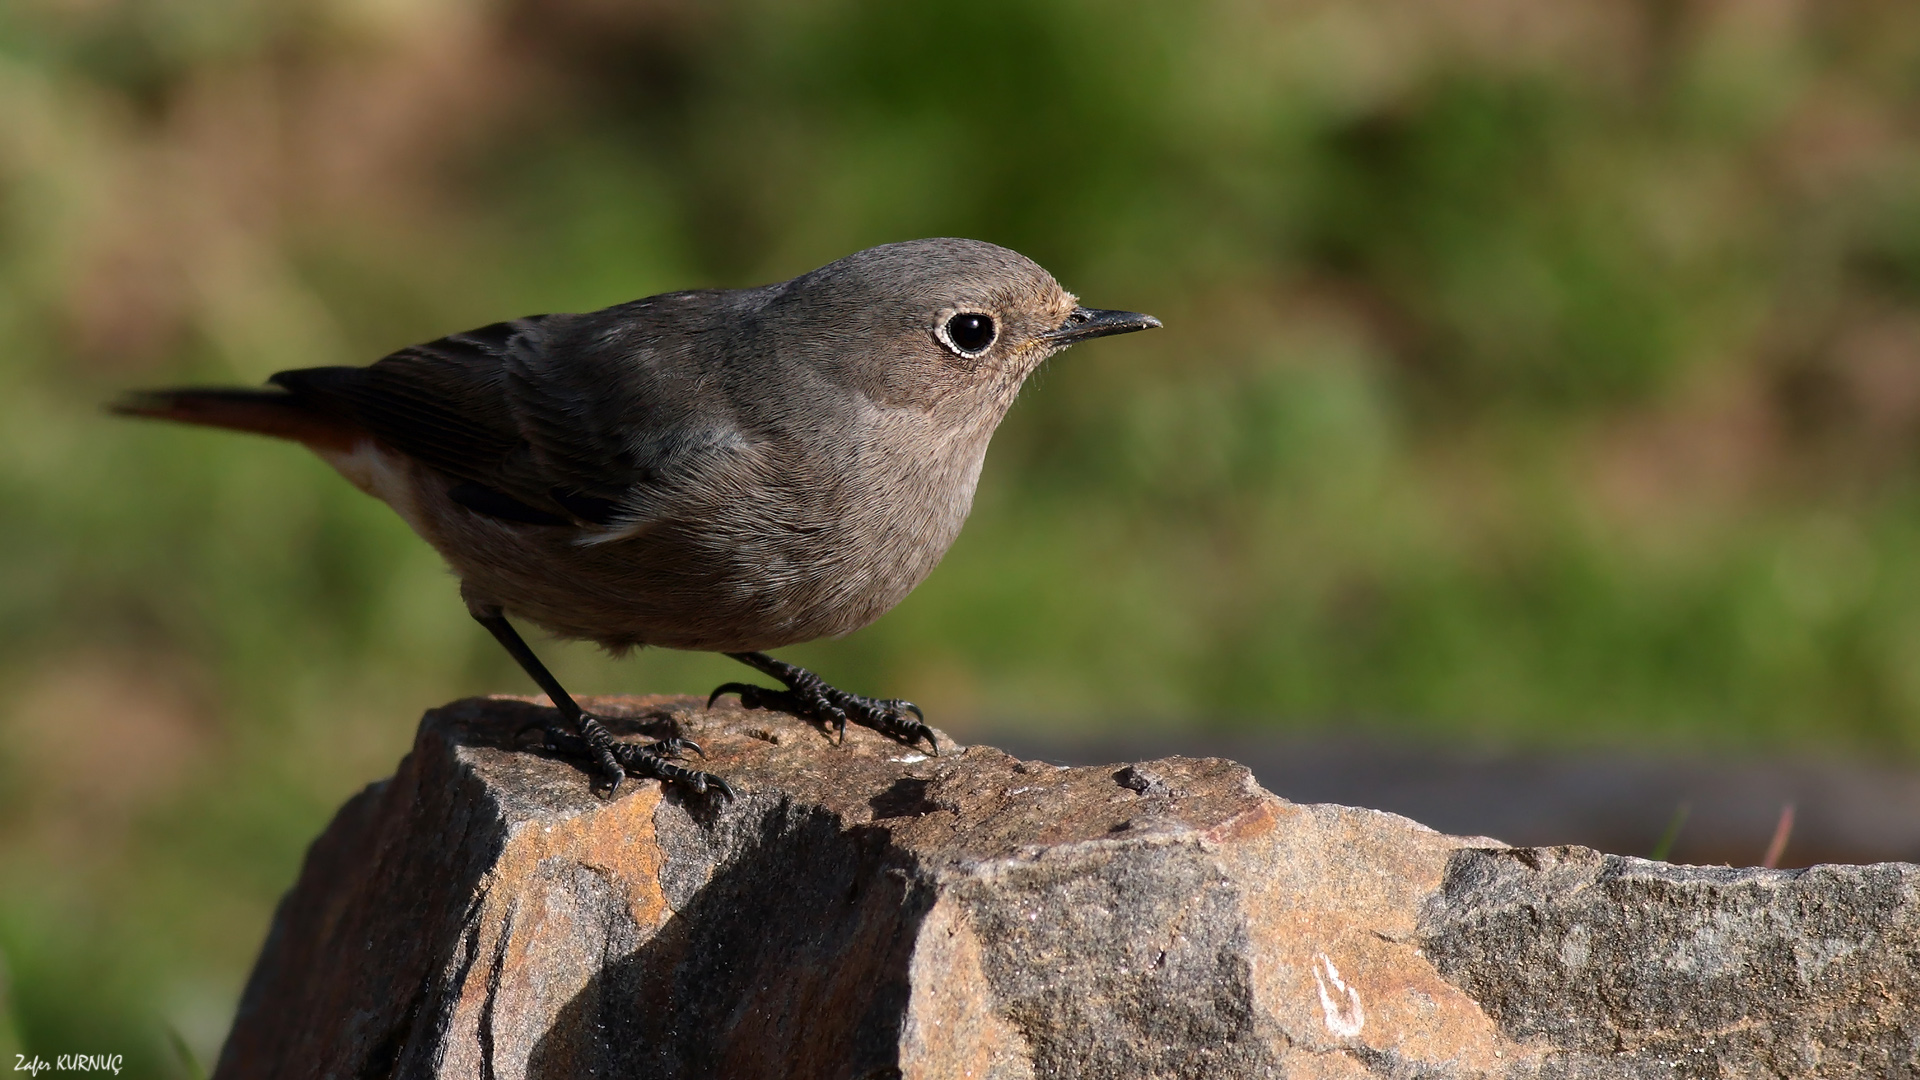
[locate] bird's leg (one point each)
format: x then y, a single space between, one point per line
809 697
590 738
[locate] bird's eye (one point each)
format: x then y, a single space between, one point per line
969 333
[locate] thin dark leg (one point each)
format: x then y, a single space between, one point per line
809 697
589 737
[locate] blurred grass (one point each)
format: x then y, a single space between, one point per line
1542 374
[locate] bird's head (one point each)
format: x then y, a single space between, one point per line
931 322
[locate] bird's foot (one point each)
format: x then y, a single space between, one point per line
614 760
809 697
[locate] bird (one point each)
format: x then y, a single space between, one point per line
726 470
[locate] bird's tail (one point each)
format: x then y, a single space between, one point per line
263 412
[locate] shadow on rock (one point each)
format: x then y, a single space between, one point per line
790 961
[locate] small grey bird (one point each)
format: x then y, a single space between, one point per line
727 470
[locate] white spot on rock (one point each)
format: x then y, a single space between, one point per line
1574 947
1341 1004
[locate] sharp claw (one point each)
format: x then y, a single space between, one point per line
740 688
808 697
675 746
649 761
724 788
550 739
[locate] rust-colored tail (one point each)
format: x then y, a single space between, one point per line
264 412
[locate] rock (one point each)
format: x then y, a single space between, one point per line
866 911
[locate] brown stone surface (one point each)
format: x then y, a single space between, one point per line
865 911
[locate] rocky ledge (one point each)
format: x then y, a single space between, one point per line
865 911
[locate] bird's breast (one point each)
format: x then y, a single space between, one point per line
835 551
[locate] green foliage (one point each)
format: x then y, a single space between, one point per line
1550 377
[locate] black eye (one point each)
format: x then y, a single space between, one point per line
970 332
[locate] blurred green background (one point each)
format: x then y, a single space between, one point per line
1535 374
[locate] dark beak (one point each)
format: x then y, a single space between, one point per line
1087 323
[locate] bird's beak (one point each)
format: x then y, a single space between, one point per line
1086 323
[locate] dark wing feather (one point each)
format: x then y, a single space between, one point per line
498 504
440 402
552 419
444 403
629 401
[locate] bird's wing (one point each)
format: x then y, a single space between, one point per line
532 422
439 402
